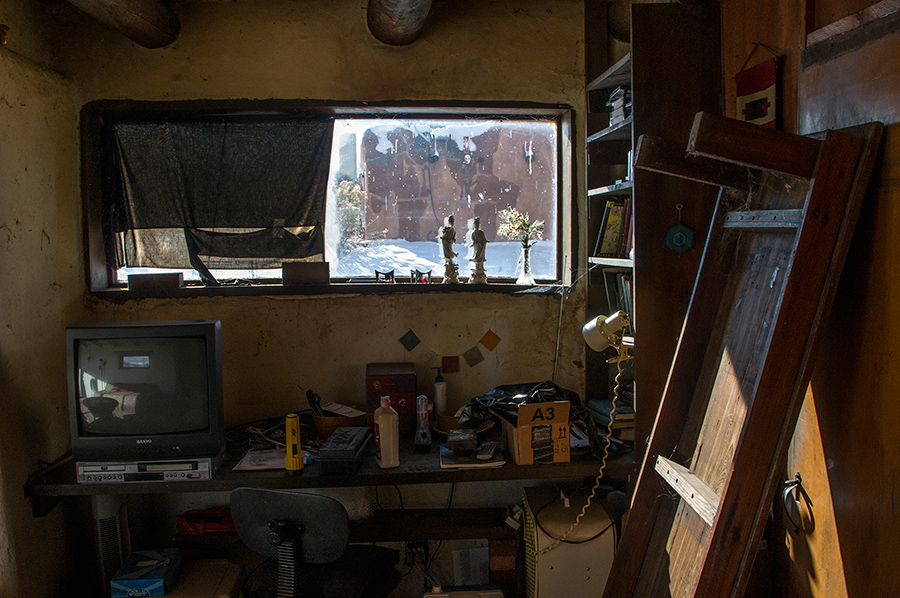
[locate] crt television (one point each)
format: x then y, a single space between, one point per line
145 391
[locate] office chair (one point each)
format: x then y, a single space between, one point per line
308 536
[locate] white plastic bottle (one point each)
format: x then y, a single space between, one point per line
440 393
387 435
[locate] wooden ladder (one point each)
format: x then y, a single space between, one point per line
778 239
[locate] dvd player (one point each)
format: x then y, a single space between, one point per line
176 470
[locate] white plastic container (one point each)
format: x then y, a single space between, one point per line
440 394
387 435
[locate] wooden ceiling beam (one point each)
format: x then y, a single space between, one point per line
397 22
149 23
153 24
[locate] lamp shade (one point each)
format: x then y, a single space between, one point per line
602 332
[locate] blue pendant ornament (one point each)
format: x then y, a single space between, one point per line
679 237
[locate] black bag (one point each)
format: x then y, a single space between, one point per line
503 401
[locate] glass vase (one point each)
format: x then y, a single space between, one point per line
525 277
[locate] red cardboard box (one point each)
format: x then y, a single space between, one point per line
397 381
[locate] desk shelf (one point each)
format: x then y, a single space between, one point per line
410 525
415 468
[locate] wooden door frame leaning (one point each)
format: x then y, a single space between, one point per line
779 237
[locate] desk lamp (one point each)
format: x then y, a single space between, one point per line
599 334
603 332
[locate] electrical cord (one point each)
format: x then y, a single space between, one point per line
623 355
268 433
198 522
49 466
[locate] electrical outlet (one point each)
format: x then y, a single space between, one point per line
417 552
420 548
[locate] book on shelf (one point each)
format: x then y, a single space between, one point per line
602 413
625 283
611 229
627 230
624 434
619 283
610 275
604 407
619 114
616 229
620 93
620 105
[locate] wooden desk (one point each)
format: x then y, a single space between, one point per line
386 525
415 468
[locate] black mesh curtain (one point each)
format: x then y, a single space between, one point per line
203 184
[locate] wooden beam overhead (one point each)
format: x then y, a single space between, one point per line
149 23
397 22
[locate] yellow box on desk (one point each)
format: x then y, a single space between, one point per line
541 434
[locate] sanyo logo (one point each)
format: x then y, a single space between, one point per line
144 441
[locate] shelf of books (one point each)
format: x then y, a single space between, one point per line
627 261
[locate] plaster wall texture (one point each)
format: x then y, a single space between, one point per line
278 49
40 239
58 59
509 50
275 348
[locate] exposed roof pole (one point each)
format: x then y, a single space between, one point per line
149 23
153 24
397 22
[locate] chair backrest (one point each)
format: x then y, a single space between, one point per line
323 522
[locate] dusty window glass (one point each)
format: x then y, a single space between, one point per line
394 182
385 191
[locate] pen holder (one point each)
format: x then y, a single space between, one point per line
326 425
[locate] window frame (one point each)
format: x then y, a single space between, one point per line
101 278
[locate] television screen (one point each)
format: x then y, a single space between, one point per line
130 386
145 390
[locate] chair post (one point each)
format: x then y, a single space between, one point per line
288 564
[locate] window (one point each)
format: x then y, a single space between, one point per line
394 183
226 195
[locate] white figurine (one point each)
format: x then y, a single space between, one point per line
477 242
448 238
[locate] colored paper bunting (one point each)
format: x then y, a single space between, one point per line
450 363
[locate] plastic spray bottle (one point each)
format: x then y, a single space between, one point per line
440 393
387 435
